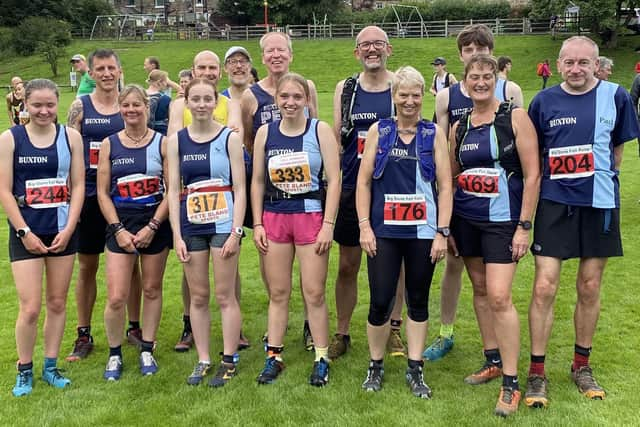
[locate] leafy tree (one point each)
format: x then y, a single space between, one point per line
49 40
80 13
282 12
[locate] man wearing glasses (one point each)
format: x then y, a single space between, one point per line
358 102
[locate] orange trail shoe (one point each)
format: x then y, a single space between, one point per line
587 385
508 401
485 374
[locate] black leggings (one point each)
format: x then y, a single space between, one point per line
384 270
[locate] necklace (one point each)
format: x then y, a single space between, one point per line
407 131
137 141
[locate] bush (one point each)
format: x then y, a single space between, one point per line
34 31
6 35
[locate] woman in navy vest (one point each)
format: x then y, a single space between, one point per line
497 169
207 200
130 188
41 191
403 199
287 190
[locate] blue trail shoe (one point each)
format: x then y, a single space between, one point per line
54 377
24 383
113 371
440 347
320 373
271 370
148 364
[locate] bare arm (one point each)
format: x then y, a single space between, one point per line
9 109
257 191
313 101
363 191
74 116
173 196
103 184
173 85
331 163
248 107
176 119
234 116
444 180
337 110
236 158
442 109
617 155
514 94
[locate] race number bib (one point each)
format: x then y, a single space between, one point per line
94 152
571 162
291 172
480 182
139 186
361 138
405 209
206 207
46 193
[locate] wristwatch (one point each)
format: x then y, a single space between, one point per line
526 225
22 232
238 231
444 231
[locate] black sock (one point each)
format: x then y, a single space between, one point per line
186 319
306 325
582 351
146 346
537 359
134 324
377 363
493 357
396 324
510 381
115 351
229 359
84 331
415 363
25 366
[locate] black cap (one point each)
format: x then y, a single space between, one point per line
439 61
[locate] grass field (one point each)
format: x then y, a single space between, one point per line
166 399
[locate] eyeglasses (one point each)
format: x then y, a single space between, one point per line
237 61
377 44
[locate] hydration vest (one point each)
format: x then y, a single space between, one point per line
507 151
425 137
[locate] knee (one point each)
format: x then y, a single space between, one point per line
199 301
279 295
418 312
348 270
500 302
225 299
56 305
152 292
315 297
379 314
117 302
589 290
29 313
544 291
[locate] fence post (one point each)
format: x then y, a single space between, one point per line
246 30
446 28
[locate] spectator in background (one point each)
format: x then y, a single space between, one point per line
441 78
184 77
87 84
546 73
158 101
605 68
254 74
153 63
15 101
504 67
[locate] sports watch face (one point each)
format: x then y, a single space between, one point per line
444 231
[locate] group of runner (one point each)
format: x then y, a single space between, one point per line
407 192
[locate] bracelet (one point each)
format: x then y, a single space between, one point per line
155 222
365 219
115 228
153 226
118 231
326 221
258 225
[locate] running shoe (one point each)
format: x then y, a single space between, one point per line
199 372
395 346
438 349
81 348
53 376
307 338
373 382
320 373
271 370
243 342
225 372
113 371
587 385
185 342
507 401
488 372
416 383
536 394
24 383
148 364
339 346
134 336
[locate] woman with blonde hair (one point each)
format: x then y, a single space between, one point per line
159 101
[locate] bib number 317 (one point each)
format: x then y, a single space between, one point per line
405 209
